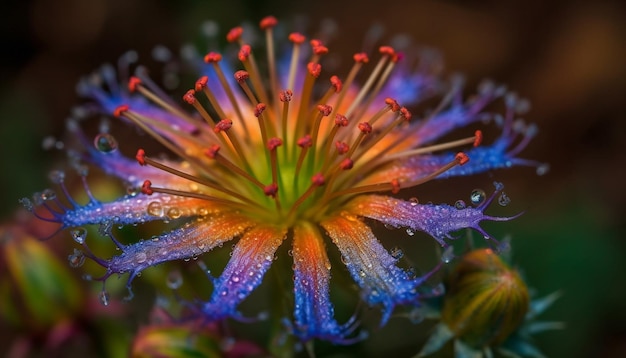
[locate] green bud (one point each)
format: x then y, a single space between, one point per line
485 301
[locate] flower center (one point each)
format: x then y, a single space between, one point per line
283 154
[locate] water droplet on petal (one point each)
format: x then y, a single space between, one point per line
56 176
414 201
77 259
48 194
141 257
477 196
155 208
410 231
174 213
79 235
105 143
460 204
503 199
104 298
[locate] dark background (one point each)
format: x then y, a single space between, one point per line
566 57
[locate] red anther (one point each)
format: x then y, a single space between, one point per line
241 76
346 164
285 96
258 110
479 138
201 83
274 143
461 158
316 42
320 50
318 179
395 186
341 120
212 57
296 37
314 69
365 128
223 125
342 147
120 110
324 109
361 57
336 82
268 22
146 187
387 50
141 156
395 107
244 53
271 190
212 151
190 97
406 113
234 34
305 142
133 82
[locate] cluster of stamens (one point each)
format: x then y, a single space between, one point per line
265 147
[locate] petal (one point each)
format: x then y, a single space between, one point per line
314 313
251 258
370 265
190 240
132 210
439 221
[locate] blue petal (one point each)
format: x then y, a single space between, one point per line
251 258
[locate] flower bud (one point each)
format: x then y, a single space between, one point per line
486 299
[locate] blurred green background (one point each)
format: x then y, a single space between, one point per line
566 57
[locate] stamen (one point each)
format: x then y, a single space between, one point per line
387 54
285 97
359 59
223 127
148 189
190 98
241 76
135 84
267 24
316 181
214 58
314 70
247 59
474 140
297 40
305 143
213 153
144 160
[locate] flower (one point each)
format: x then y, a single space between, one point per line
285 157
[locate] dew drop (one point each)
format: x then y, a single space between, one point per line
477 196
174 280
104 298
155 209
174 213
77 259
410 231
105 143
503 199
132 190
543 169
460 204
396 253
448 254
414 201
56 176
79 235
48 194
141 257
